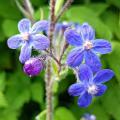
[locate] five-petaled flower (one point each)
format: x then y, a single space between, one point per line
29 38
86 47
89 85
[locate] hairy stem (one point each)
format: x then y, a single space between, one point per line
52 22
48 67
48 81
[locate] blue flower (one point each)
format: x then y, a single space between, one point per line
88 116
29 38
89 85
86 47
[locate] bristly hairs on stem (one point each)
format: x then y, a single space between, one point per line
49 106
65 7
52 22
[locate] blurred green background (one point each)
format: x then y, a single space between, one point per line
23 98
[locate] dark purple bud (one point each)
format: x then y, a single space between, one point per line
33 66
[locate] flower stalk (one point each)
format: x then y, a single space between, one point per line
49 105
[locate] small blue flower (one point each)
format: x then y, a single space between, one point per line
86 47
88 116
29 38
89 85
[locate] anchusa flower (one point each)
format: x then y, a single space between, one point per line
89 85
86 48
88 116
33 66
29 38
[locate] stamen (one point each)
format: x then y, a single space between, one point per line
88 45
92 89
25 36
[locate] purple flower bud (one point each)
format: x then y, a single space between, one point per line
33 66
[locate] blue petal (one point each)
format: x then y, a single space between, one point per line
25 53
87 32
92 60
85 73
75 57
40 42
101 90
85 100
76 89
103 76
24 25
39 26
14 41
73 38
102 46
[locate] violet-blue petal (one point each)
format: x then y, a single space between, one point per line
85 73
101 90
39 26
14 41
75 57
87 32
73 38
103 76
76 89
85 100
92 60
25 53
102 46
40 42
24 25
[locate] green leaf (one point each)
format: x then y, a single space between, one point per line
37 92
3 101
2 81
55 86
18 90
41 116
10 24
62 113
98 111
114 2
88 15
110 101
9 10
113 59
8 114
45 11
98 8
111 19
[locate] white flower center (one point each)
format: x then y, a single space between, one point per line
88 45
25 36
92 89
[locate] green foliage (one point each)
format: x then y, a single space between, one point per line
62 113
18 92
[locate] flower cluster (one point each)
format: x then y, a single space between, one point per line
84 57
28 39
